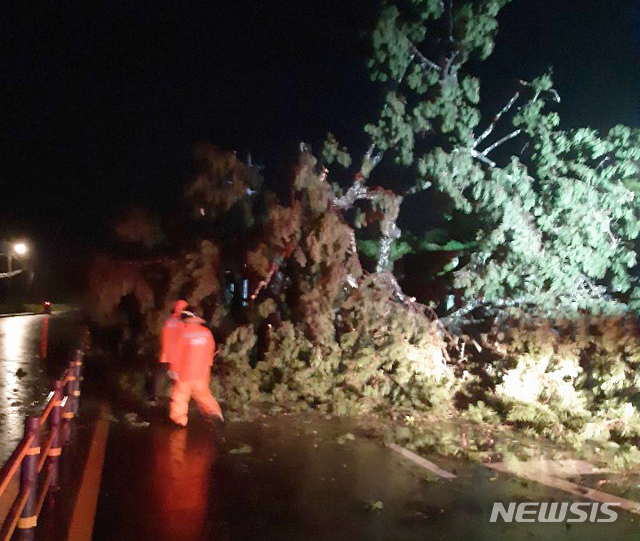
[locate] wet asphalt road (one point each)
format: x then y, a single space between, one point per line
33 350
289 478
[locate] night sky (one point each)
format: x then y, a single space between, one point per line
101 101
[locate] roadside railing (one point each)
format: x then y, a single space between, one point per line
39 451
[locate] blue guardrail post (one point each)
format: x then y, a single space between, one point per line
29 478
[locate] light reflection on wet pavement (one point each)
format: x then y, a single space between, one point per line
283 479
33 350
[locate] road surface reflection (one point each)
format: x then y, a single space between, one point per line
33 350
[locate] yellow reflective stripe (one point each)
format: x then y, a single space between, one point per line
55 451
26 523
33 451
68 415
76 393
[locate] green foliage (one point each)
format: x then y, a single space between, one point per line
350 346
475 26
376 364
238 384
558 226
572 380
371 248
565 237
332 152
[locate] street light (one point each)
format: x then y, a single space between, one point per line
13 249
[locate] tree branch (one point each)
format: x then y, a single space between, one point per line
413 55
499 142
355 192
11 274
450 70
480 156
417 189
358 190
496 119
424 61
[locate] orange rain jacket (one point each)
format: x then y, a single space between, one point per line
194 352
171 333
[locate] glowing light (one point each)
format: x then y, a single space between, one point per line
14 337
539 380
13 331
20 248
428 360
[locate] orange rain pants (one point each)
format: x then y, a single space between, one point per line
181 395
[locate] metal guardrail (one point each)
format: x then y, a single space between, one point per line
33 455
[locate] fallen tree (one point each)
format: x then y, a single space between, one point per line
302 325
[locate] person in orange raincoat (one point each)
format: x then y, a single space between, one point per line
191 371
168 344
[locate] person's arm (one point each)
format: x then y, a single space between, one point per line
174 367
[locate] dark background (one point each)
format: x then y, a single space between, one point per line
101 101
